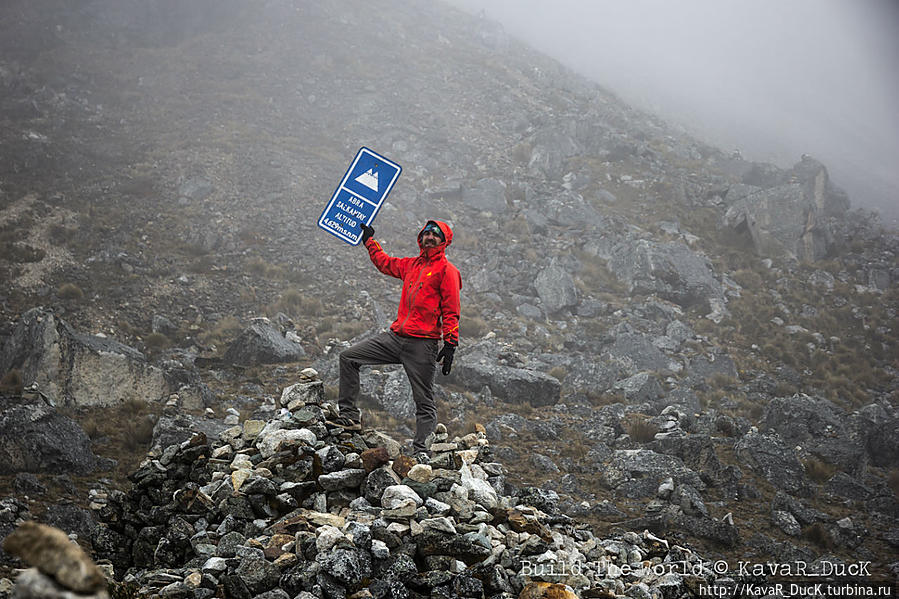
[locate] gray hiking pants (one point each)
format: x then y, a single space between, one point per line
418 357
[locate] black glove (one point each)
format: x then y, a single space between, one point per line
367 232
446 354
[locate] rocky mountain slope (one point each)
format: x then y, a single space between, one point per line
666 337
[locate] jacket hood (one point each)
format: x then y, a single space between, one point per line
447 234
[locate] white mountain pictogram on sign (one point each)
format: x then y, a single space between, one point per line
369 179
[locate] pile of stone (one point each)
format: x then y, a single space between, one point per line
59 568
294 507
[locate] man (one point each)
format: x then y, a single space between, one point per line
428 311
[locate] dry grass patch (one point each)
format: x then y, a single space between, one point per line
12 382
221 332
639 428
295 303
259 267
70 291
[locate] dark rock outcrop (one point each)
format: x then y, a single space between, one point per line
34 437
262 343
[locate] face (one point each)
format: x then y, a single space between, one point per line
430 239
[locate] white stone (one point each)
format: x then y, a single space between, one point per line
397 496
268 446
327 537
440 524
379 549
479 490
436 507
421 473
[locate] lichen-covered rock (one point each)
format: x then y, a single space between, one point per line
71 367
771 458
556 288
792 219
36 438
670 269
638 472
261 343
477 370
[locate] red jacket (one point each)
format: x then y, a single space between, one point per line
429 304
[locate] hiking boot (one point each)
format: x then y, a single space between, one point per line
347 424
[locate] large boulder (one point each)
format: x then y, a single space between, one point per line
638 472
71 367
769 456
550 149
792 219
488 195
556 288
514 385
34 437
671 270
818 426
261 343
876 429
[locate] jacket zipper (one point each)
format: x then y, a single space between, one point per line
412 298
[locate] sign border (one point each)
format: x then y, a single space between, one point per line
342 185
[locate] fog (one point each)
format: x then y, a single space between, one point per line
772 78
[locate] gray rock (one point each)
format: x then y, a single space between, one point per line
195 189
545 500
487 195
556 288
70 367
640 388
818 426
350 478
792 219
71 519
396 399
173 429
36 438
550 149
27 483
261 343
876 428
308 393
722 532
786 522
671 270
257 573
770 457
543 463
346 565
467 548
690 501
161 324
635 353
515 385
376 482
843 485
638 473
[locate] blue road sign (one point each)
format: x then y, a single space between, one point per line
359 196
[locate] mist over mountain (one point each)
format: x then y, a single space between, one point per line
670 352
772 79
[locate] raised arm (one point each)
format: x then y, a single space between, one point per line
394 267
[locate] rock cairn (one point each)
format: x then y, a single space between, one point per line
295 508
